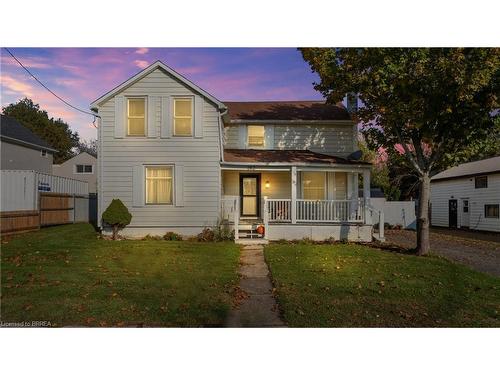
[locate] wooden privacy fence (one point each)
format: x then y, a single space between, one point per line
31 199
54 209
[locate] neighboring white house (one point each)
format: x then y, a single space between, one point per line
467 196
82 167
180 160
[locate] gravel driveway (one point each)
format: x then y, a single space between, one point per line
479 251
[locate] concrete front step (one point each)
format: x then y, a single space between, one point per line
252 241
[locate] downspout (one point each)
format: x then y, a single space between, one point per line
99 164
221 134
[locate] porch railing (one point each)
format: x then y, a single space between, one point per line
325 211
230 212
279 210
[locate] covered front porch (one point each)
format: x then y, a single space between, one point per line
295 200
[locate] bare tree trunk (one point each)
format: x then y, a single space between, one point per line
115 231
423 243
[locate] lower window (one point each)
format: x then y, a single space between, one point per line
313 185
491 211
159 185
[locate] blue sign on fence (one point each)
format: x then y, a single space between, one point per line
43 186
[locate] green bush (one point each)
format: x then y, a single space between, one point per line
116 215
172 236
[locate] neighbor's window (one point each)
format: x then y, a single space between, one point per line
466 206
136 117
83 168
491 211
159 185
255 135
183 117
481 182
44 153
313 185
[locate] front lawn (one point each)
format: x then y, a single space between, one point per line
67 276
348 285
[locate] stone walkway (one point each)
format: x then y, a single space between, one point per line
259 309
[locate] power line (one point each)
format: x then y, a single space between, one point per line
49 90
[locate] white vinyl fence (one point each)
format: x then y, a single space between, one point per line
395 212
19 188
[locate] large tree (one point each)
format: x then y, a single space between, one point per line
432 102
89 146
54 131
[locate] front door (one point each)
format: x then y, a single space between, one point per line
250 195
465 213
452 213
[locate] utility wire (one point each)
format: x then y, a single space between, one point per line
52 92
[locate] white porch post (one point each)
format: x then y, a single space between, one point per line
294 194
366 195
236 218
266 218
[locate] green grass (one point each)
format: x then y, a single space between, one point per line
67 276
350 285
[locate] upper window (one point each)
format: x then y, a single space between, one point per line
255 135
84 168
136 117
313 185
491 211
183 117
159 185
481 182
44 153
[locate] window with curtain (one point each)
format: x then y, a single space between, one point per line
159 185
255 135
136 117
313 185
183 117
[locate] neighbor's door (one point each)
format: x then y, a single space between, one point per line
452 213
465 213
250 195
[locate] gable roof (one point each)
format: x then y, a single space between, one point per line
485 166
13 130
157 64
289 157
306 110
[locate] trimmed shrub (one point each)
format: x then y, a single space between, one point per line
117 215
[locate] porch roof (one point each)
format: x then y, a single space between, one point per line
285 157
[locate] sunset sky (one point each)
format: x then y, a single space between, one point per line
81 75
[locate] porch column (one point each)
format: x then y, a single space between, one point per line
355 186
294 194
366 195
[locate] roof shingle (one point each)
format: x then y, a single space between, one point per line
290 110
468 169
11 128
284 156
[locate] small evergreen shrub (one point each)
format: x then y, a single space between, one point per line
150 237
172 236
117 216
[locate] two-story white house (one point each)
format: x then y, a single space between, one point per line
181 160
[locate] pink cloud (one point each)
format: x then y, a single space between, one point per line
142 51
29 62
16 85
141 63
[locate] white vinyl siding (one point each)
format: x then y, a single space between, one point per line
464 188
334 139
197 204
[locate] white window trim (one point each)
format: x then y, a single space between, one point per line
174 98
145 174
46 155
145 98
75 171
249 146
